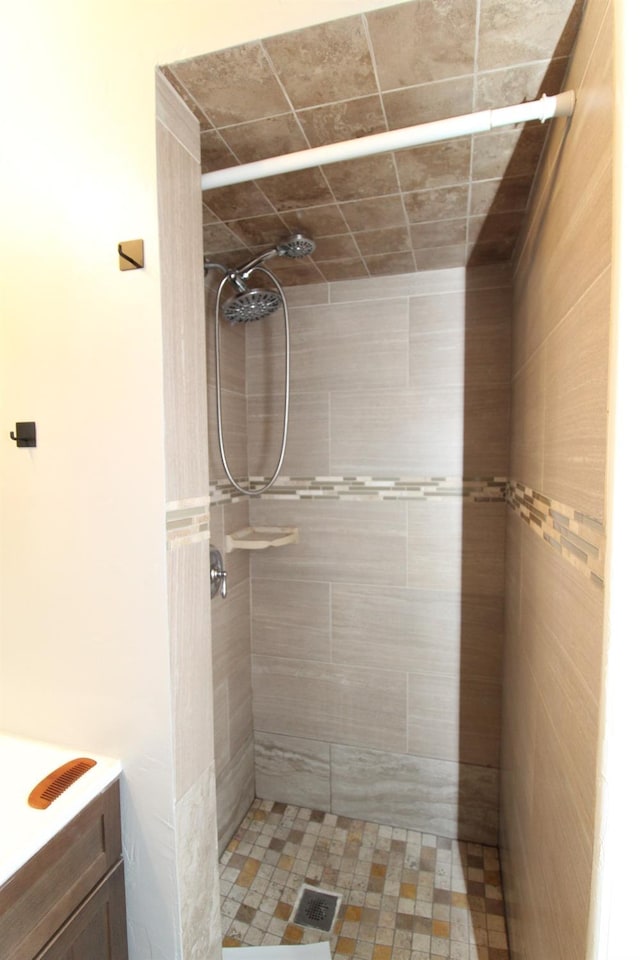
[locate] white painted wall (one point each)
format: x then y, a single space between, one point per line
83 622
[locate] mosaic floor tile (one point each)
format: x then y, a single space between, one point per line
405 895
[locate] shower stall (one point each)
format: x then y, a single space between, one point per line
419 657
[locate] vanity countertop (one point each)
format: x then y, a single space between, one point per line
24 763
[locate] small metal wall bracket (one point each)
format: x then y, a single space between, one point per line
131 254
25 434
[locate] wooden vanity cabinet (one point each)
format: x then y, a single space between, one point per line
67 901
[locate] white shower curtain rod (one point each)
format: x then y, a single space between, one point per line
561 105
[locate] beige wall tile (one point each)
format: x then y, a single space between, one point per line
291 618
575 421
197 856
454 718
307 449
293 770
221 726
234 431
425 632
232 345
433 796
351 705
455 546
235 792
331 346
572 234
231 631
179 204
388 288
187 572
305 296
337 541
397 432
173 113
486 425
527 423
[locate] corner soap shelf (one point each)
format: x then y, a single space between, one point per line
259 538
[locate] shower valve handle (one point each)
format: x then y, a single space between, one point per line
217 574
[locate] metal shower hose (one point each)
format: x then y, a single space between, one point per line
285 421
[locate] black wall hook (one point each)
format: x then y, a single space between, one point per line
25 434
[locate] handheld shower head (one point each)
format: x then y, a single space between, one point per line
251 305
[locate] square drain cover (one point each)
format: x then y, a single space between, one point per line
316 908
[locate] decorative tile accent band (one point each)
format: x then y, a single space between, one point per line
578 538
369 488
187 521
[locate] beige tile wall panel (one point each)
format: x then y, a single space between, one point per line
456 546
575 428
234 427
397 432
455 718
353 705
460 338
527 422
173 113
307 295
232 341
419 284
291 618
485 430
422 632
307 451
562 862
179 205
338 541
564 612
433 796
331 346
569 243
231 631
221 725
235 792
293 770
197 853
188 575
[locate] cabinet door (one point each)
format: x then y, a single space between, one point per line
97 931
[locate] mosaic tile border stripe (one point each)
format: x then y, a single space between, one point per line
187 521
359 488
578 538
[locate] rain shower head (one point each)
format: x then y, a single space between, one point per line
297 245
251 305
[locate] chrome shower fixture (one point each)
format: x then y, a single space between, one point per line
255 304
251 305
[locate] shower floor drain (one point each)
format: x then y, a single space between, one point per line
316 909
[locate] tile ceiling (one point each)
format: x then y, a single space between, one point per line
447 204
